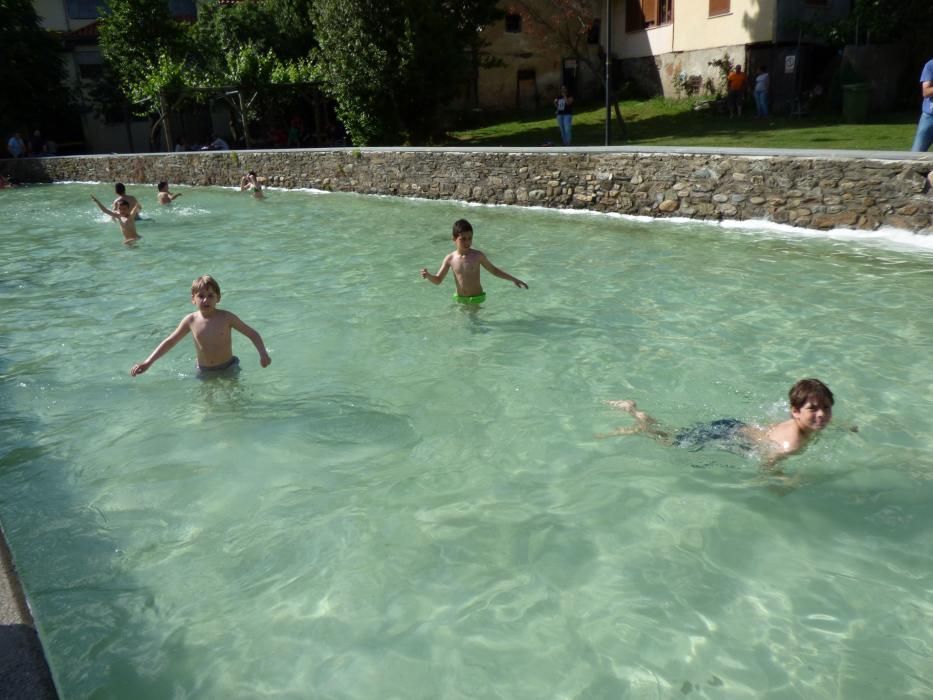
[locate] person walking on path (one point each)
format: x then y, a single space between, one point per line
924 136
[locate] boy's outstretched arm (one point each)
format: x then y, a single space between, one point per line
162 347
502 274
254 336
441 274
108 212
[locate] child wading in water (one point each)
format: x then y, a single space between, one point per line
166 197
210 329
811 409
251 182
120 189
465 262
125 216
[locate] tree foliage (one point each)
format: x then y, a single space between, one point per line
32 92
138 36
391 65
906 22
163 64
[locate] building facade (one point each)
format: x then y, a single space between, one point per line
74 22
665 45
537 46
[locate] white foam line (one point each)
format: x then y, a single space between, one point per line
886 237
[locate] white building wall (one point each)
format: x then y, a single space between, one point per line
660 55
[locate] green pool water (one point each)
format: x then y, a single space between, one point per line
411 502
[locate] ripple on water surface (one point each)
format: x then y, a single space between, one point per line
411 500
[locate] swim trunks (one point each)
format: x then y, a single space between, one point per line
725 433
232 366
475 299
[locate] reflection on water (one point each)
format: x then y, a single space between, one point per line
414 485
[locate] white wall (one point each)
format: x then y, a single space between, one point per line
750 21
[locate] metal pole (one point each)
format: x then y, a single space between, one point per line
608 71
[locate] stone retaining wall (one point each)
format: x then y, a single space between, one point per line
819 190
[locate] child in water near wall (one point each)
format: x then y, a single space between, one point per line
210 330
125 216
251 182
465 261
811 409
166 197
120 190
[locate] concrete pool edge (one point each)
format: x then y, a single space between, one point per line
24 670
822 190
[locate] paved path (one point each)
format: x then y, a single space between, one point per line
24 674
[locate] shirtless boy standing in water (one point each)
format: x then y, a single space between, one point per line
210 329
164 196
120 189
465 262
125 216
811 409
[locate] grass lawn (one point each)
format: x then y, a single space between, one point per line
662 122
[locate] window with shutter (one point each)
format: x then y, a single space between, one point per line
719 7
644 14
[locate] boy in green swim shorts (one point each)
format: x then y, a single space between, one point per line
465 261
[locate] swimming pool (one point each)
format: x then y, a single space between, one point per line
410 501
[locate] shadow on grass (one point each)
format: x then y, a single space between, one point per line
666 123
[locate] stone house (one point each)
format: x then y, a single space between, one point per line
537 46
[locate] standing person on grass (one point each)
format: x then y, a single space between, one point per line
924 136
762 84
737 81
563 103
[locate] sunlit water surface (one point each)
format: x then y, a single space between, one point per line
411 502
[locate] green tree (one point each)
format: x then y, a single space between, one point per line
391 65
33 92
146 48
251 46
906 22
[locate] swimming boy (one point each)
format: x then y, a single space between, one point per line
125 216
120 189
210 330
166 197
251 182
465 262
811 409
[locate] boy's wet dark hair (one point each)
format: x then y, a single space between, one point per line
121 202
461 226
252 172
119 188
807 389
163 185
205 281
